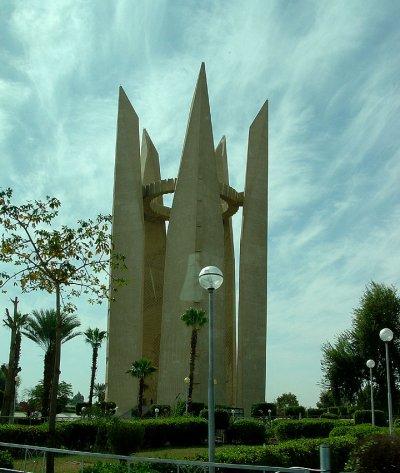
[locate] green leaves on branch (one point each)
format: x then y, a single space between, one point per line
43 258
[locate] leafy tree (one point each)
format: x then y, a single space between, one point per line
99 390
65 262
343 363
10 371
34 396
41 328
141 369
78 397
94 337
195 319
284 401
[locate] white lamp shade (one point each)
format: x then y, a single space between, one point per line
211 277
386 335
370 363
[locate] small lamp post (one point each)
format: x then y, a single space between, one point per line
371 364
386 335
156 411
211 278
187 382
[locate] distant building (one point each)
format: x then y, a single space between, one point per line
163 265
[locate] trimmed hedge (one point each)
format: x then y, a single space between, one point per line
261 409
222 417
358 431
23 434
302 452
124 437
176 431
246 432
365 417
287 429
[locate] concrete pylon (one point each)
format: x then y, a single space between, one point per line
252 316
229 282
155 242
195 239
125 321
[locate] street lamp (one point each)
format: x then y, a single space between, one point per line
386 335
370 365
211 278
187 382
156 411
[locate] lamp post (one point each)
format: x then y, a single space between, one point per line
16 381
211 278
371 364
386 335
156 412
187 382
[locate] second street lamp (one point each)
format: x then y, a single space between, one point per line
371 364
211 278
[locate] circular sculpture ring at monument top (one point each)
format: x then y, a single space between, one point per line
154 208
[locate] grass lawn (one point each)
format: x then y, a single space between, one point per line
73 464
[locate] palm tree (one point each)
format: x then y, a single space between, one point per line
99 391
141 369
195 319
15 323
41 328
95 338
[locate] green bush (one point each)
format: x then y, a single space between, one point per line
365 417
6 460
314 412
222 418
287 429
246 432
174 431
295 411
261 409
164 410
23 434
125 437
379 452
329 415
358 431
196 407
77 435
79 406
100 467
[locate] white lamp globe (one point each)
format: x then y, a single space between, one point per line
211 278
386 335
370 363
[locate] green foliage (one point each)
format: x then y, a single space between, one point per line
28 435
6 460
101 467
141 369
365 417
379 307
261 409
313 412
284 401
329 415
380 452
222 417
246 432
287 429
77 435
174 431
295 411
358 431
125 437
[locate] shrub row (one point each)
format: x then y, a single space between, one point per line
286 429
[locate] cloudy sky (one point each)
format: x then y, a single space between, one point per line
331 73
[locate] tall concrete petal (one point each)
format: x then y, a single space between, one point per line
155 242
252 320
195 239
125 323
229 282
